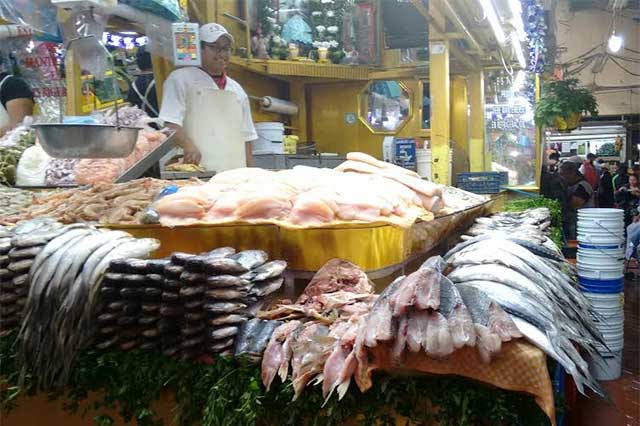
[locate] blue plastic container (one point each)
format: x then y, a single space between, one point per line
600 286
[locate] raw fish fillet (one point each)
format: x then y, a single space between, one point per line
366 158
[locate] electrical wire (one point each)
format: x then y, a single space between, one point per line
623 68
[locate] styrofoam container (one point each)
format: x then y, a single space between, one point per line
270 138
609 367
423 162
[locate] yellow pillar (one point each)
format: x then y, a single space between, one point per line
439 91
297 93
539 136
459 126
478 157
161 70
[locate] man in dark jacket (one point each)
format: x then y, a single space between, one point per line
605 189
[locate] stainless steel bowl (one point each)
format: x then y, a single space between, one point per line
86 140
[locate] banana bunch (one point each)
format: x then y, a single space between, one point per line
10 155
181 167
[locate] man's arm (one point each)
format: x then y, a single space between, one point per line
18 109
191 153
248 150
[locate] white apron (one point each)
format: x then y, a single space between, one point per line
5 120
213 122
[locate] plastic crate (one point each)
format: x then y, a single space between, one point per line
483 182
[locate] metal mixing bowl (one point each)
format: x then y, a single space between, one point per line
86 140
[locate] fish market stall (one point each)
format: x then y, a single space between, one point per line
469 313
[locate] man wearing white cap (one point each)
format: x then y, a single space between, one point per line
179 107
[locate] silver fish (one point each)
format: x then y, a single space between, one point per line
221 345
224 281
265 288
222 332
222 265
455 311
221 252
224 307
227 319
229 293
250 259
267 271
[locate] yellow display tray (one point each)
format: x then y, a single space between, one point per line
371 246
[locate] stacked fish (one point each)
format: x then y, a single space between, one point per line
18 248
131 290
242 286
62 304
532 225
171 310
188 305
536 286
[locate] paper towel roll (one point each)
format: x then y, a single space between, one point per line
279 106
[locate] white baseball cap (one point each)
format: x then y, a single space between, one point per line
210 33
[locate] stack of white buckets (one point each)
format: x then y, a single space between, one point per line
601 248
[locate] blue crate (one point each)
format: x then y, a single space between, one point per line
483 182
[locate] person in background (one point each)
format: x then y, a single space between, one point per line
142 92
16 99
588 170
620 178
579 195
605 188
551 184
627 198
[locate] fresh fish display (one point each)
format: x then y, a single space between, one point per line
60 308
190 306
253 337
530 279
20 245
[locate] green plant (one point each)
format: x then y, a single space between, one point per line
229 392
562 98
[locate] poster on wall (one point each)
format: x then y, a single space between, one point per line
510 129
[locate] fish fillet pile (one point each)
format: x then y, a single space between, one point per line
189 306
107 170
63 279
105 203
362 189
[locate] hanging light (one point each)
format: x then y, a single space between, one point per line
615 42
518 24
519 52
492 17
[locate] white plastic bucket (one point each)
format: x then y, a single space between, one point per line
613 301
423 163
597 238
601 273
270 138
594 212
609 367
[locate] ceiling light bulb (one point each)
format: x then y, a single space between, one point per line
615 43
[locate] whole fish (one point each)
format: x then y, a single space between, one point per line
229 293
221 252
222 332
227 319
224 307
223 281
220 345
265 288
250 259
223 266
267 271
